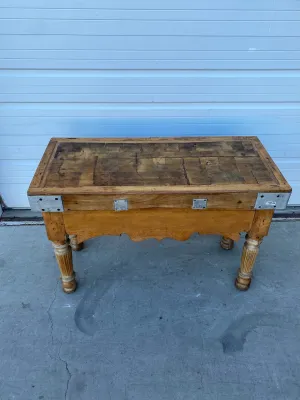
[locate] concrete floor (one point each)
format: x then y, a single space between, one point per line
150 320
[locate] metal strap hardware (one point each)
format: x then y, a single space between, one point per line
121 205
269 201
199 204
46 203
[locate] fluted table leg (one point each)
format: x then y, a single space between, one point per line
250 251
63 255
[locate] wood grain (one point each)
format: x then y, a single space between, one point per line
41 171
63 256
157 223
249 254
55 227
261 224
229 201
157 165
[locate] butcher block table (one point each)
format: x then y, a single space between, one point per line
157 188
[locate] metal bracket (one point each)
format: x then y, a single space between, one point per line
199 204
269 201
121 205
46 203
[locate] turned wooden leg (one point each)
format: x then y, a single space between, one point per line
249 254
259 228
63 255
74 244
226 243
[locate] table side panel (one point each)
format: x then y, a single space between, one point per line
157 223
229 201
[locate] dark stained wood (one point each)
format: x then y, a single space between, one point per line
176 165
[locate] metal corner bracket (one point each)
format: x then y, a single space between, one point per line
199 204
121 205
272 201
46 203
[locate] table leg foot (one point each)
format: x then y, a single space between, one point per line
74 244
63 255
250 251
226 243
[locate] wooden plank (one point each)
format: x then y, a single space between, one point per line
200 190
87 177
157 223
270 165
261 173
43 165
196 173
244 165
158 165
229 171
229 201
158 139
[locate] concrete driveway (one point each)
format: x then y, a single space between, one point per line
150 320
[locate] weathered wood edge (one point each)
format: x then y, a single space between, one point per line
123 190
40 175
41 170
157 139
271 166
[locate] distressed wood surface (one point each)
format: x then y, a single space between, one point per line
170 165
157 223
159 178
55 226
228 201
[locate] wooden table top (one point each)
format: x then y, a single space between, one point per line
156 165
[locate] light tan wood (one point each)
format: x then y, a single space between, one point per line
75 246
250 251
227 243
157 223
43 165
55 226
259 228
125 190
63 255
159 178
228 201
261 224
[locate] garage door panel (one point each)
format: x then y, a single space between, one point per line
120 42
146 69
99 13
148 27
157 4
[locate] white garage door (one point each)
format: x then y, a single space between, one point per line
145 68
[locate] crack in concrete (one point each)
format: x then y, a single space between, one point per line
67 369
49 312
52 341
